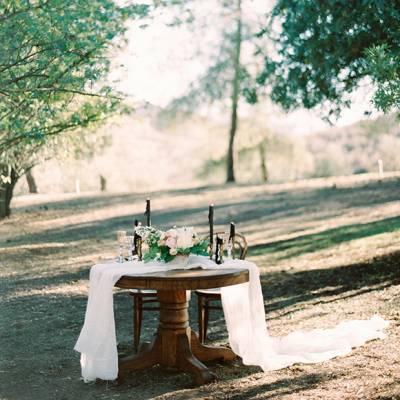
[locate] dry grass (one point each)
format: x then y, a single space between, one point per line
328 251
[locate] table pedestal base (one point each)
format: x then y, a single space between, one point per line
176 345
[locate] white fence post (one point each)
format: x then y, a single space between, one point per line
77 186
380 168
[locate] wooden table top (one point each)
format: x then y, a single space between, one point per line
188 279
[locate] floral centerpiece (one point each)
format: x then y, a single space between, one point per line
167 245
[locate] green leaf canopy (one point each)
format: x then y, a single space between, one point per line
53 58
322 49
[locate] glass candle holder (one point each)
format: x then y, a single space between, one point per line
121 237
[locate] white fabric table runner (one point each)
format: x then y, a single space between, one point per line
243 307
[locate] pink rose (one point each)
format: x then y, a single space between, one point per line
171 242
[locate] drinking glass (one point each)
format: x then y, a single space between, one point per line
130 245
229 248
121 237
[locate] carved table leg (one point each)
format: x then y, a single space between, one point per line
176 336
144 359
208 353
175 344
189 363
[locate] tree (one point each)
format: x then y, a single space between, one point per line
83 142
325 48
237 46
383 63
31 181
53 65
229 77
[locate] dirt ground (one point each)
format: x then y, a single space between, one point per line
328 250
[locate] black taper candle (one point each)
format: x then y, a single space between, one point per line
135 238
232 233
211 223
148 212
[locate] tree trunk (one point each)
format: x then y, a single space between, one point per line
263 163
103 183
230 176
31 182
6 193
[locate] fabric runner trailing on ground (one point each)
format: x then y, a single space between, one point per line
243 307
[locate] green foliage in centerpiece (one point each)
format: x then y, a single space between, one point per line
165 246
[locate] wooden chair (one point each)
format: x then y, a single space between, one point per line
207 296
141 297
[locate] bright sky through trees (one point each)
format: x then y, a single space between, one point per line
159 63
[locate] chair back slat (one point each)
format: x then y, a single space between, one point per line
240 246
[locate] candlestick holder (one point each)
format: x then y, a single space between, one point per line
219 250
229 249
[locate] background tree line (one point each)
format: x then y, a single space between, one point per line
55 57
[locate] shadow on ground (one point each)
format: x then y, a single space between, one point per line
282 387
319 241
40 325
286 291
248 212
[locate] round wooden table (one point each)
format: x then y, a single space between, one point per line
175 344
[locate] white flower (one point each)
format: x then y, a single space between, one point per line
172 232
170 242
173 252
185 238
